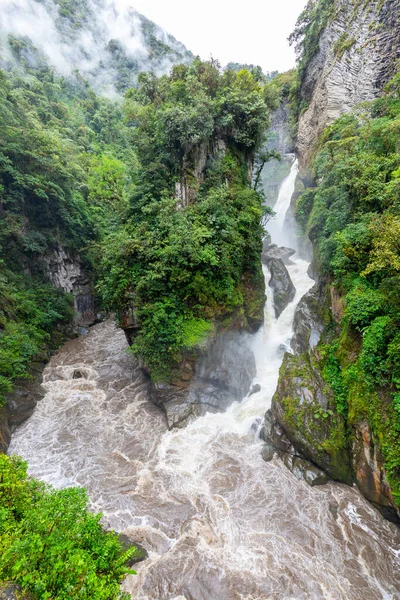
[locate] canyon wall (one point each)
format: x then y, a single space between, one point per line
356 57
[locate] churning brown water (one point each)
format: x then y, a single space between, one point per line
218 522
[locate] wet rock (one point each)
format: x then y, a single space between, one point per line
304 408
311 316
13 591
370 473
83 331
272 433
281 284
276 441
255 388
268 452
256 424
273 251
78 374
311 474
23 400
281 351
140 553
221 375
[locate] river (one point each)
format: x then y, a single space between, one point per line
219 523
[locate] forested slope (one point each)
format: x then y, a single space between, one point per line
347 204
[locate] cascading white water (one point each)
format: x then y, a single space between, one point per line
218 522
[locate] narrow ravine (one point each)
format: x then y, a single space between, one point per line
219 522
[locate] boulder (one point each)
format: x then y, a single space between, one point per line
268 452
281 284
273 251
13 591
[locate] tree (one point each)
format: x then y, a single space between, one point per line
51 544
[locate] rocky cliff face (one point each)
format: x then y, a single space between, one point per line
193 169
221 374
305 421
356 57
66 272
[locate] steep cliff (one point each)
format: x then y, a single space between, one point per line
355 57
186 267
337 398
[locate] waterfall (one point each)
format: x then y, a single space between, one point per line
217 520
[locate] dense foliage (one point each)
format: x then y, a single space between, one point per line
353 217
51 544
65 165
181 262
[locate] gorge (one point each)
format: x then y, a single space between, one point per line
214 517
199 308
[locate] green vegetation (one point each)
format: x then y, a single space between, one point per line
51 544
29 312
184 262
343 44
65 175
353 218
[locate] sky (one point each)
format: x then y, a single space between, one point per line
252 31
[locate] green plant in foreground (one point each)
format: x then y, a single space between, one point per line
51 544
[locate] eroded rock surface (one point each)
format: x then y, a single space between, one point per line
66 272
281 284
356 57
370 473
272 251
221 375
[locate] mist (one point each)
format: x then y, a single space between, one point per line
81 42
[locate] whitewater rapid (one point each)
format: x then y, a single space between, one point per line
219 523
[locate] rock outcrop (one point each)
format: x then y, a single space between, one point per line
66 272
305 422
272 251
356 57
276 442
193 169
281 284
221 374
370 472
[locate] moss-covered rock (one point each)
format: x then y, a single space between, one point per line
305 408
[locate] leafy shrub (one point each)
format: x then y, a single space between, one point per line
51 544
363 304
